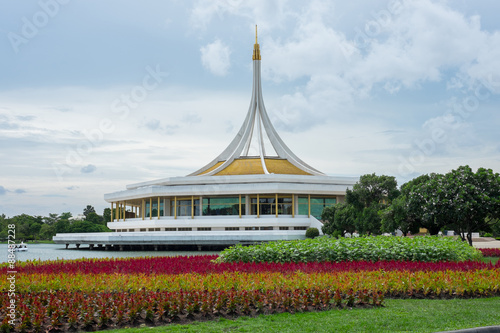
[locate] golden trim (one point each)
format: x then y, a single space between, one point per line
150 208
184 198
192 206
256 49
239 205
309 205
258 206
124 210
111 212
293 205
143 208
175 207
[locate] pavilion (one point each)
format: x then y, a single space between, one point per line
256 190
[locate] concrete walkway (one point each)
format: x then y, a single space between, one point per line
485 243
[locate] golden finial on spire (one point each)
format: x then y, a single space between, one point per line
256 49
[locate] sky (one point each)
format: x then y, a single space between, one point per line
95 95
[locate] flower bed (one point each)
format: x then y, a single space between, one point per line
63 310
207 265
95 294
490 252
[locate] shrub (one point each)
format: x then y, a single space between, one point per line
427 249
312 233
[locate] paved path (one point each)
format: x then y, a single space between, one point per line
490 243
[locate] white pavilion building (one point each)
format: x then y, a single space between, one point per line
256 190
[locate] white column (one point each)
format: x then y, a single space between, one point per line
247 205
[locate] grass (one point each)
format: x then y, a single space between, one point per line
397 316
493 260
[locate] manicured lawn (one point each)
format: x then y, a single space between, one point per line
397 315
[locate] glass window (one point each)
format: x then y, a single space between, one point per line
303 206
317 205
223 206
154 208
266 206
184 207
285 206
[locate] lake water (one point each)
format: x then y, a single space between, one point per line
58 251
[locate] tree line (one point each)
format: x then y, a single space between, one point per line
460 200
44 227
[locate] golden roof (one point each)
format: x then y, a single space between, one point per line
253 166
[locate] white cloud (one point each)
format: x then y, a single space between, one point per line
267 14
345 103
216 57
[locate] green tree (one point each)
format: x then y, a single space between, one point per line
495 226
106 215
65 216
63 224
339 218
88 209
372 189
94 218
402 213
47 231
473 198
368 222
396 216
3 227
86 226
427 203
369 195
26 226
51 219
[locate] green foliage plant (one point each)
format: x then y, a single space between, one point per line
373 248
312 232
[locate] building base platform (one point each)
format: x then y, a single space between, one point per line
160 239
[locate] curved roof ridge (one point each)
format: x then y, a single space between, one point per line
256 123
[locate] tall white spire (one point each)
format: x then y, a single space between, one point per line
257 123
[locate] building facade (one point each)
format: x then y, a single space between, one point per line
256 190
